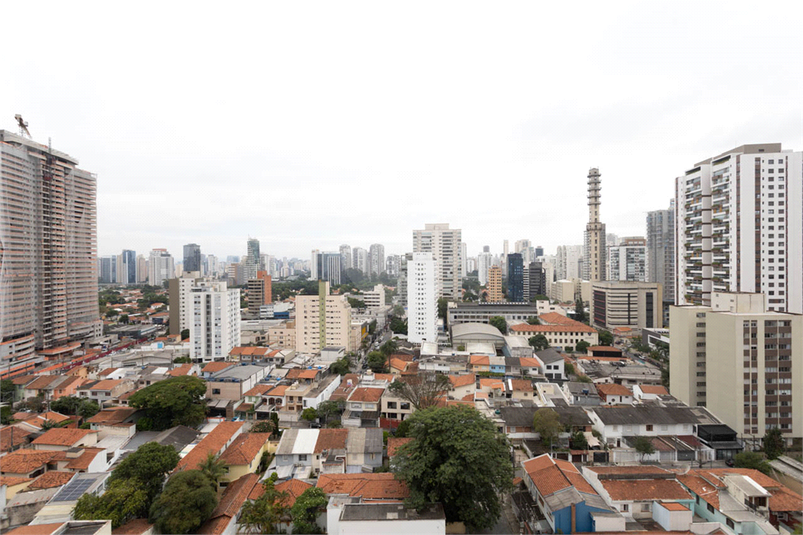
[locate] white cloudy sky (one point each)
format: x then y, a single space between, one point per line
308 125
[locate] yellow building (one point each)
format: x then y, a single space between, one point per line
495 285
244 455
322 320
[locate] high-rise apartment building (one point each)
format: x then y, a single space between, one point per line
539 251
445 245
178 291
127 267
322 320
192 257
107 269
259 292
360 261
503 263
484 262
215 321
536 280
515 278
464 271
661 250
326 266
635 305
739 227
48 249
377 258
494 286
594 261
142 269
741 361
392 265
346 261
628 260
525 249
422 298
252 259
160 267
403 261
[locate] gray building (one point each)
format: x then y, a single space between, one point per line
661 252
483 312
192 257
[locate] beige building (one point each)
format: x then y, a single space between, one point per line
567 291
495 285
322 320
637 305
740 361
283 336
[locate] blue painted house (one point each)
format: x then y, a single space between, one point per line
564 496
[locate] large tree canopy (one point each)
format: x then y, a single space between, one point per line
187 502
172 402
459 459
422 390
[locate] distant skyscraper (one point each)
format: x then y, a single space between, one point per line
346 261
463 260
739 227
403 261
422 298
326 266
377 255
259 292
108 269
495 294
594 263
503 263
523 247
128 267
251 263
539 252
484 263
661 250
192 257
360 260
515 278
160 267
537 282
142 269
445 245
392 265
628 260
568 262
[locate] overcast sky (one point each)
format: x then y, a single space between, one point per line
307 125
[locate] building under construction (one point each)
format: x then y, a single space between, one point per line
48 250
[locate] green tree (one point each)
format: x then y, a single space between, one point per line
568 368
665 376
305 510
7 391
422 390
605 337
579 441
547 424
443 307
752 459
182 360
579 311
773 443
185 334
264 514
149 466
309 414
49 424
262 426
388 348
498 322
356 303
372 327
398 325
334 424
328 409
376 361
582 346
539 342
459 459
341 366
123 501
584 379
643 445
172 402
5 415
533 320
187 502
214 468
403 430
35 404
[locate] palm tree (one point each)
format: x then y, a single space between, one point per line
213 468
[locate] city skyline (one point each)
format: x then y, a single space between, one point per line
468 120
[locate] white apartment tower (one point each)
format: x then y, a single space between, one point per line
422 298
445 245
628 260
160 267
360 257
739 227
484 262
345 258
215 325
179 292
377 258
594 262
568 261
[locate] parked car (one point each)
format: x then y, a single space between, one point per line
730 462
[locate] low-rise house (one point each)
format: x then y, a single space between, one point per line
364 450
330 451
619 421
565 498
614 394
649 392
379 487
494 388
320 391
223 520
363 407
215 367
65 438
68 387
582 394
215 443
518 423
29 463
232 382
118 421
531 366
14 437
395 407
554 364
462 385
105 391
296 453
479 363
517 347
520 389
41 386
373 518
244 455
497 365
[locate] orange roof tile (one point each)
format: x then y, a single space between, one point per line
212 443
43 381
384 377
35 529
11 437
604 348
258 390
229 505
115 415
491 382
367 394
294 488
245 448
645 489
138 526
11 481
521 385
555 318
308 374
62 436
83 461
654 389
674 506
462 380
278 390
106 372
184 369
395 443
525 328
25 461
528 362
551 475
106 384
331 439
51 479
613 389
398 364
381 486
214 367
479 360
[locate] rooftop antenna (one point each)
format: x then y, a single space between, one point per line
23 126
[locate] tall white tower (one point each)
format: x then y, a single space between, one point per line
422 298
594 264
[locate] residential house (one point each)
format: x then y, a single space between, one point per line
462 385
373 518
492 387
531 366
619 421
216 442
379 487
479 363
13 438
554 364
118 421
614 394
582 394
64 438
296 453
649 392
395 407
214 367
234 381
520 389
364 449
330 451
363 407
244 455
105 391
565 498
223 520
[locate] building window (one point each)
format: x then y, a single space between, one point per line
625 507
710 508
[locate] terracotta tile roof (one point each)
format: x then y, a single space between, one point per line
214 367
551 475
555 318
278 390
395 443
525 328
674 506
604 348
398 364
381 486
23 380
521 385
384 377
628 470
331 439
612 389
83 461
54 416
62 436
367 394
17 435
179 371
491 382
785 500
43 381
294 488
138 526
528 362
293 373
704 489
51 479
212 443
12 480
35 529
645 489
106 372
402 356
68 382
106 384
781 499
245 448
116 415
258 390
230 503
462 380
25 461
479 360
308 374
654 389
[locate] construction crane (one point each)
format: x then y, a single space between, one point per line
23 126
